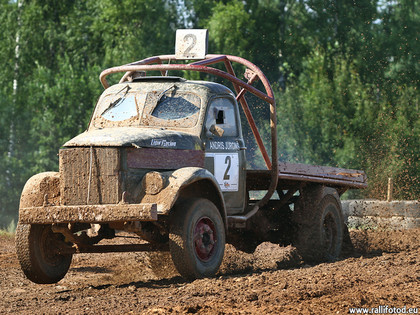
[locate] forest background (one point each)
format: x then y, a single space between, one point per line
346 76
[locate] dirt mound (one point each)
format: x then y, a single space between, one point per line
382 269
266 256
378 241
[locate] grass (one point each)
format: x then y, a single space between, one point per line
9 230
6 234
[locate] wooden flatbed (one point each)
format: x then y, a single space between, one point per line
292 175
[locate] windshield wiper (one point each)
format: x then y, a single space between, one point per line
162 94
118 100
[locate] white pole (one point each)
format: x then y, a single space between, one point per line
390 188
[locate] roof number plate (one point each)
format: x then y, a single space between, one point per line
191 44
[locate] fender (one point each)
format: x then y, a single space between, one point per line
185 179
40 189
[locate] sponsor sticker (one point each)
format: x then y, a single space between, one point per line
162 143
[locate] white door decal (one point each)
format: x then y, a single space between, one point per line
226 170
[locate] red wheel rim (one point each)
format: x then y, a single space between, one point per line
204 239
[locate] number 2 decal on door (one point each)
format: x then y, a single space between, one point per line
226 170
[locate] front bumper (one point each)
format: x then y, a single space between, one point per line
88 213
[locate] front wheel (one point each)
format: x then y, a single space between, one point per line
37 251
196 238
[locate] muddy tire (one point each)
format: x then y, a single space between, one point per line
319 225
36 247
196 238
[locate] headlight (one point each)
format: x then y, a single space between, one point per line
153 183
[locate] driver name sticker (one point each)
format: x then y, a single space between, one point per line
223 145
226 170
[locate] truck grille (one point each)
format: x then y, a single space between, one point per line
90 176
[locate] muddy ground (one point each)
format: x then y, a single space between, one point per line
383 269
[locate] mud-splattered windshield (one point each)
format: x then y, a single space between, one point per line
166 108
175 108
122 108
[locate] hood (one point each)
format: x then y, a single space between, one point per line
136 137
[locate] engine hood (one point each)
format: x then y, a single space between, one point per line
137 137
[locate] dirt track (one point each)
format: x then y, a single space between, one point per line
384 269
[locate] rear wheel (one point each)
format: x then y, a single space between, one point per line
37 251
320 226
197 238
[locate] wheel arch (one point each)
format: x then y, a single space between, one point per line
39 185
205 188
184 183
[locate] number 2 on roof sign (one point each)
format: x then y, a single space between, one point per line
191 44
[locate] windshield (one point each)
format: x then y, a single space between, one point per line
175 108
166 108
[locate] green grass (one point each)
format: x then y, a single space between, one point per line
7 234
9 230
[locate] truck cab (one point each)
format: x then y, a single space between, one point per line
162 124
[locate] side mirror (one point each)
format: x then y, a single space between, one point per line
216 130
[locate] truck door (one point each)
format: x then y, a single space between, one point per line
225 151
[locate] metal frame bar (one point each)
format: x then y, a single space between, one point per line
122 248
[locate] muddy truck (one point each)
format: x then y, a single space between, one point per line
165 158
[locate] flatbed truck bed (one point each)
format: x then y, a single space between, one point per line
295 174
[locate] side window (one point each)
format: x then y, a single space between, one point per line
221 113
